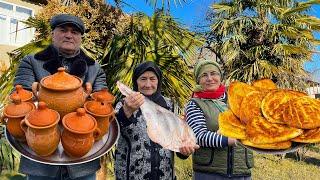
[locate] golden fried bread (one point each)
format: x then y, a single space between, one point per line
250 105
261 131
237 91
308 136
230 125
274 104
231 119
302 112
278 145
264 84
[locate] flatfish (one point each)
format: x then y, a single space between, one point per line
163 126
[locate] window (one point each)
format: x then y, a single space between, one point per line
6 6
12 31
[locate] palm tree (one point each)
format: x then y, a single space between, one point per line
159 39
8 157
164 4
264 39
114 38
119 42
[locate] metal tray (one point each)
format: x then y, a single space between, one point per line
294 147
99 148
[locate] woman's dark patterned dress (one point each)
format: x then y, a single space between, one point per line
137 157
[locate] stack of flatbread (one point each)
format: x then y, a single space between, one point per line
265 117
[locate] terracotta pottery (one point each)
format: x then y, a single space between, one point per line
102 112
14 113
25 95
42 131
104 94
62 92
79 133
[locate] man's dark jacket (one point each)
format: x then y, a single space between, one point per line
32 69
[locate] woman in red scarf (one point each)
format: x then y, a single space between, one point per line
218 157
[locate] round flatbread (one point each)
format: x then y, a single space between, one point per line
236 92
274 146
250 105
274 104
308 136
265 84
230 125
302 112
261 131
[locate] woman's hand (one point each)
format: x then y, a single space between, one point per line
132 103
232 142
187 149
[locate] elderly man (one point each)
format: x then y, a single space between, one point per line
67 31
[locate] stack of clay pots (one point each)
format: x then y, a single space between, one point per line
14 113
59 115
62 92
41 129
100 107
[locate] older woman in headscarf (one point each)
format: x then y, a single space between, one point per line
137 156
218 156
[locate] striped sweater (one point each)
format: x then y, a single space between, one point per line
196 120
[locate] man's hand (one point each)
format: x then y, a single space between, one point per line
187 149
132 103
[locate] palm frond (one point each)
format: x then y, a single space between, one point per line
269 39
160 39
6 79
163 3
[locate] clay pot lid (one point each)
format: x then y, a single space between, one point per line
98 107
61 80
42 116
79 121
104 94
23 94
18 108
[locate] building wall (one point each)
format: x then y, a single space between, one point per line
314 91
4 49
26 4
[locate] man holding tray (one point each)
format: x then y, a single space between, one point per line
67 31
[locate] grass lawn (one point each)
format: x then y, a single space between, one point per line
267 167
270 167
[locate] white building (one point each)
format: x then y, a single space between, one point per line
13 33
314 90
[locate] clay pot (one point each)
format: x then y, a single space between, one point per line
79 133
14 113
41 129
102 112
26 96
103 94
62 92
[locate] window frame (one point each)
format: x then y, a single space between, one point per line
10 15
